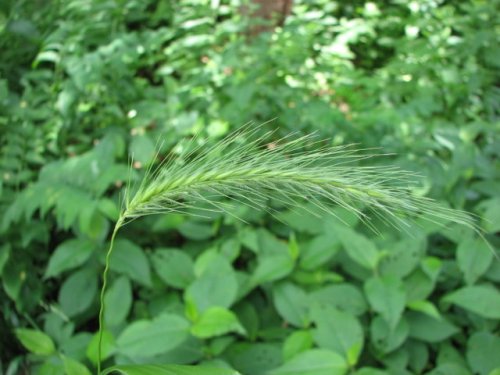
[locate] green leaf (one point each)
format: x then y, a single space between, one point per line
345 297
108 346
318 251
387 297
68 255
196 231
4 256
338 331
35 341
130 260
147 338
108 208
174 267
78 292
483 350
216 321
291 303
418 285
142 149
272 267
449 369
419 355
402 257
385 339
428 329
425 307
297 342
167 370
473 258
370 371
359 248
118 300
254 358
313 362
216 286
483 300
72 367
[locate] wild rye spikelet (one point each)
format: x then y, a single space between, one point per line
238 169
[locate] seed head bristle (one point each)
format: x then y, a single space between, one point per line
244 168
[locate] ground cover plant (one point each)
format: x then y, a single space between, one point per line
87 85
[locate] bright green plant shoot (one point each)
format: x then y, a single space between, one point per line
253 170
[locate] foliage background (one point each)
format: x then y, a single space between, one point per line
84 85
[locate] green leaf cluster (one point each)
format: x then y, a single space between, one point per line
88 87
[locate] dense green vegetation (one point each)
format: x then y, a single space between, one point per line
87 85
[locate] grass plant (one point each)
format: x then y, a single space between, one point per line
253 169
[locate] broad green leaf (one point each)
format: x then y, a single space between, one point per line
425 307
291 303
449 353
216 286
313 362
272 267
146 338
108 208
318 251
68 255
130 260
75 346
402 257
345 297
13 278
370 371
142 148
483 350
491 216
174 267
359 248
483 300
473 257
269 244
108 346
397 361
51 366
432 267
449 369
35 341
72 367
196 231
230 249
428 329
297 342
303 221
216 321
249 318
167 370
418 285
78 292
118 300
93 224
385 339
254 358
338 331
419 355
387 297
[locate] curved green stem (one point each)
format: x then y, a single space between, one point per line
103 290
